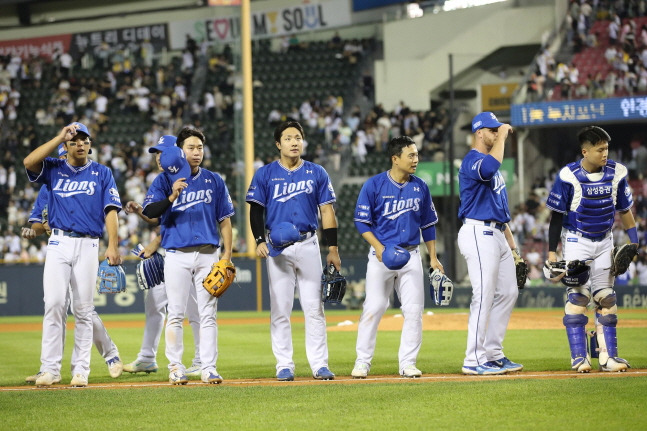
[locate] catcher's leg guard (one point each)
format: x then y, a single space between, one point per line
576 332
607 341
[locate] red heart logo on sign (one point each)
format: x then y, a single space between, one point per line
221 26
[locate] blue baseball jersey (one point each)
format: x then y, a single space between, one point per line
481 198
590 201
79 197
396 212
291 196
36 215
193 218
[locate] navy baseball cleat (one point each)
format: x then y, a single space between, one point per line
324 373
285 375
508 365
487 369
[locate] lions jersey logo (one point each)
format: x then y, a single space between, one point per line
397 207
187 200
284 192
67 188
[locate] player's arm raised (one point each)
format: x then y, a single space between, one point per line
34 160
226 235
112 227
329 225
499 143
135 208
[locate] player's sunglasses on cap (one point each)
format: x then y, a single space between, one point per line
163 143
174 163
485 120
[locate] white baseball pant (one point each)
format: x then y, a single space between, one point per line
380 284
298 266
71 263
184 272
494 291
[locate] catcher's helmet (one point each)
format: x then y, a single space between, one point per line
394 256
577 274
284 234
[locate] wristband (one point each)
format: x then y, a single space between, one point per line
330 236
632 233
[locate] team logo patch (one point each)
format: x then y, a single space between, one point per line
114 192
571 240
488 233
53 242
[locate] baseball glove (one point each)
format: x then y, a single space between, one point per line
521 266
333 285
150 271
112 278
220 278
621 257
441 287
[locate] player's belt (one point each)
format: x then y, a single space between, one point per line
305 235
589 237
71 234
490 223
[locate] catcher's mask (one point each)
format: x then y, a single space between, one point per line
577 276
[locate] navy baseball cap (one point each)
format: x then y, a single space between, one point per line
163 143
174 163
485 120
61 150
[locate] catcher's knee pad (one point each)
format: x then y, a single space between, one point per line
605 298
575 320
607 319
578 299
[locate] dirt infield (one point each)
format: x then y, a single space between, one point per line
343 380
550 319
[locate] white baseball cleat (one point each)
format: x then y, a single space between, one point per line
48 379
615 365
33 377
410 371
211 377
141 366
79 381
194 371
581 364
177 377
115 367
360 371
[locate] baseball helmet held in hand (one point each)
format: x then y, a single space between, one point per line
395 257
150 271
284 234
333 285
112 278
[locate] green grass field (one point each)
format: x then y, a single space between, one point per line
245 353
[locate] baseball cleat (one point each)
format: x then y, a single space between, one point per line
211 377
615 365
487 369
324 373
285 375
115 367
33 377
194 371
141 366
79 381
48 379
177 377
360 371
410 372
508 365
581 364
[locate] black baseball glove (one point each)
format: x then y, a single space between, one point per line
333 285
621 257
521 267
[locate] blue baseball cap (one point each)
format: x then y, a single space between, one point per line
163 143
485 120
61 151
81 128
174 163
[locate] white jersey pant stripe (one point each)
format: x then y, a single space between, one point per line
494 291
184 273
71 263
380 284
298 266
155 303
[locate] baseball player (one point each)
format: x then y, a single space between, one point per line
288 192
486 243
192 203
394 208
83 198
584 199
155 300
106 347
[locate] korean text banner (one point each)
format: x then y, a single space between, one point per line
36 46
579 111
120 38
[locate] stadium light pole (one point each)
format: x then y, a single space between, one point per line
450 243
